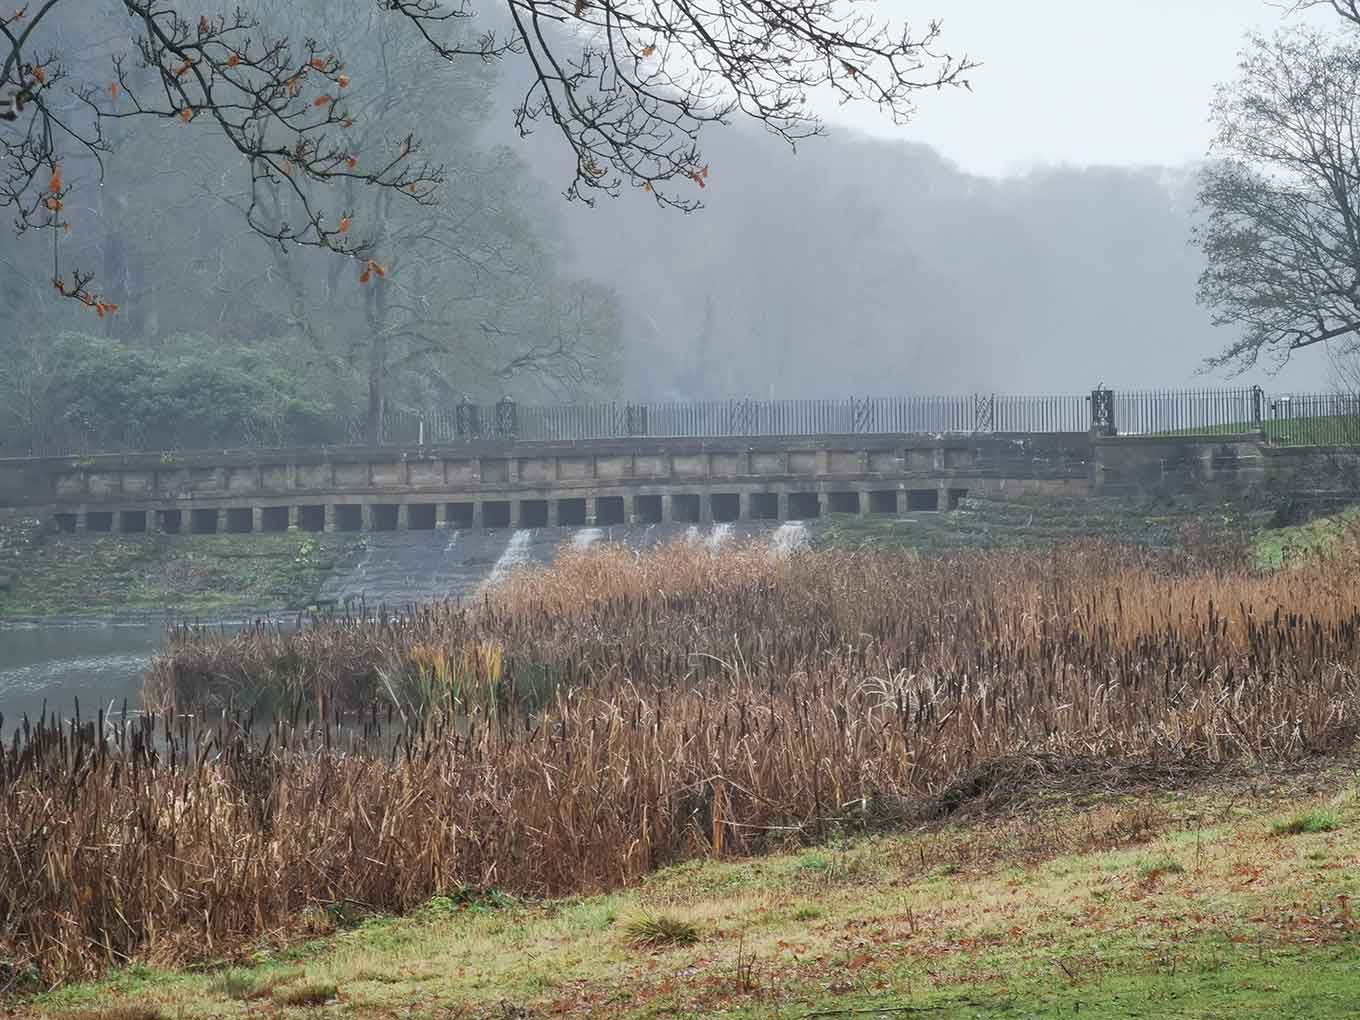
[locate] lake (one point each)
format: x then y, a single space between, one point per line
103 663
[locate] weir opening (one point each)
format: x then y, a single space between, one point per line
203 522
240 521
804 506
764 506
571 513
274 518
685 508
496 513
533 513
883 502
843 503
726 507
923 499
460 515
609 511
349 517
648 509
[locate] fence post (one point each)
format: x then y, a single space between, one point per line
1257 410
466 419
636 415
984 413
507 419
1102 412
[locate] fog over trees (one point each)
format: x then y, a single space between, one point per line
853 266
877 267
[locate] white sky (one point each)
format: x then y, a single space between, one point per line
1078 81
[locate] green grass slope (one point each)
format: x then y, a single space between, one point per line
42 574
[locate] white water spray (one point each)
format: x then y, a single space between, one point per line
721 533
516 552
788 537
587 537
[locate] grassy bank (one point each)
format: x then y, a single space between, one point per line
1063 900
1335 535
1259 535
1204 530
42 574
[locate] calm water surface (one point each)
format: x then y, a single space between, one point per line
103 664
97 664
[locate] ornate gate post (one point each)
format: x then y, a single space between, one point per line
1102 412
507 419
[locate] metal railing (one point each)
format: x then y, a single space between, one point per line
1286 419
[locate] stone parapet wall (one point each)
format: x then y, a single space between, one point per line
635 481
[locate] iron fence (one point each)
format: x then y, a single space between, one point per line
1286 419
1188 411
1313 419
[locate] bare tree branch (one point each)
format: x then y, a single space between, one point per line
629 85
1281 227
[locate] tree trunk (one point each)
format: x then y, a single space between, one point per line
377 390
377 365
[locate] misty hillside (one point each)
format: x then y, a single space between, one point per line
867 266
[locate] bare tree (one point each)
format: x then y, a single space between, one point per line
1347 9
472 298
282 108
1281 231
629 84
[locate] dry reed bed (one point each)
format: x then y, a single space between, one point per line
686 705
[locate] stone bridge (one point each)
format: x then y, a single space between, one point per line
605 482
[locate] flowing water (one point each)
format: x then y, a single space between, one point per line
790 536
103 664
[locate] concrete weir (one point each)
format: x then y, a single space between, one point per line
608 483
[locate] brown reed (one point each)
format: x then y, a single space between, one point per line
645 709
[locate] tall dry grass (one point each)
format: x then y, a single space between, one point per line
678 704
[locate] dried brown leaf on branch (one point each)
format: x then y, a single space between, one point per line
240 75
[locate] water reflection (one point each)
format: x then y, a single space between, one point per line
57 664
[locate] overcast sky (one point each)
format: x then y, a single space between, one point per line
1078 81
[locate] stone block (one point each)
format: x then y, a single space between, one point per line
613 466
460 472
537 469
70 483
848 462
767 463
426 472
351 476
274 477
495 470
138 482
690 466
103 483
727 465
313 476
386 473
651 466
881 462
